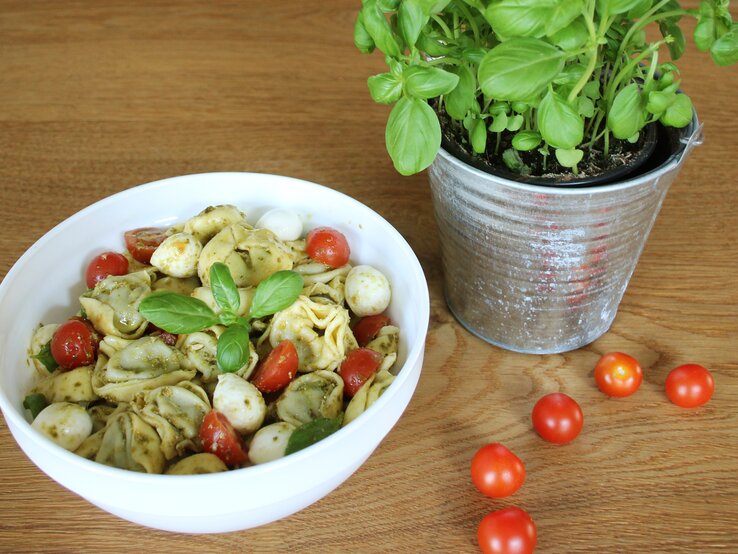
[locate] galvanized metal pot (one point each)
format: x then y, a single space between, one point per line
541 269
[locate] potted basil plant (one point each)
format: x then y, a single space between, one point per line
553 130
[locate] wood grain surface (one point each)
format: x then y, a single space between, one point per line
96 97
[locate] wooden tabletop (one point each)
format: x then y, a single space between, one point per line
96 97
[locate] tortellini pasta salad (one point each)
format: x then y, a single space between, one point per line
213 345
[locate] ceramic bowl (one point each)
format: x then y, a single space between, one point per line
44 284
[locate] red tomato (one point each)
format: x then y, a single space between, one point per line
496 471
278 369
358 366
74 344
107 263
689 385
367 328
141 243
618 374
327 246
507 531
220 438
557 418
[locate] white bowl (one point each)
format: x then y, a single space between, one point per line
44 284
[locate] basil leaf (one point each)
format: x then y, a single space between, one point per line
677 43
362 39
562 14
569 157
526 140
176 313
499 123
679 113
411 20
311 432
233 348
519 69
571 37
432 6
659 101
413 135
478 136
275 293
44 356
615 7
724 51
379 29
385 88
428 82
559 123
627 113
520 18
35 403
224 288
459 101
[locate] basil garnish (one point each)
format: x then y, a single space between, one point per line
44 356
312 432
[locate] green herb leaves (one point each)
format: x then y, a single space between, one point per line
44 356
181 314
311 432
413 135
34 403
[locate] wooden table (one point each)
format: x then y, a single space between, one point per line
96 97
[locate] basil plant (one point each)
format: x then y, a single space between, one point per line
559 77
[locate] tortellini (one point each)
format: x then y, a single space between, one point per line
128 442
212 220
177 256
112 306
68 386
310 396
201 349
197 464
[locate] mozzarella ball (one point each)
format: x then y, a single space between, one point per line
284 223
65 423
270 442
177 256
240 401
367 290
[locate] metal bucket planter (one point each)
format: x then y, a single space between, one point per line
541 269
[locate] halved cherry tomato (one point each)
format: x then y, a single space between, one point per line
220 438
618 374
496 471
507 531
367 328
278 369
107 263
690 385
557 418
358 366
327 246
74 344
142 242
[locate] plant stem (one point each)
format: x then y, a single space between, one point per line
442 24
470 19
584 79
628 68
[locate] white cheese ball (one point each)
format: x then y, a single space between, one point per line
270 442
240 401
284 223
177 256
65 423
367 290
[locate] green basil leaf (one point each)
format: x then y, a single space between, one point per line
615 7
640 9
431 7
233 348
515 122
571 37
34 403
499 123
659 101
177 313
311 432
459 101
520 18
570 74
569 157
474 55
677 43
478 136
704 33
498 108
585 106
724 51
379 29
562 14
559 123
411 20
385 88
362 39
679 113
526 140
519 69
413 135
627 113
44 356
223 287
634 138
514 162
428 82
592 90
388 5
275 293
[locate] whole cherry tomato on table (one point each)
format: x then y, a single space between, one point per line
327 246
220 438
278 369
142 243
496 471
507 531
74 344
105 264
618 374
690 385
557 418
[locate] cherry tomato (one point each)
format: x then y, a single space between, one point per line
220 438
278 369
327 246
689 385
358 366
618 374
168 338
367 328
74 344
557 418
507 531
107 263
496 471
142 242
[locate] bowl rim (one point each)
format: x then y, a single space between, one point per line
414 353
